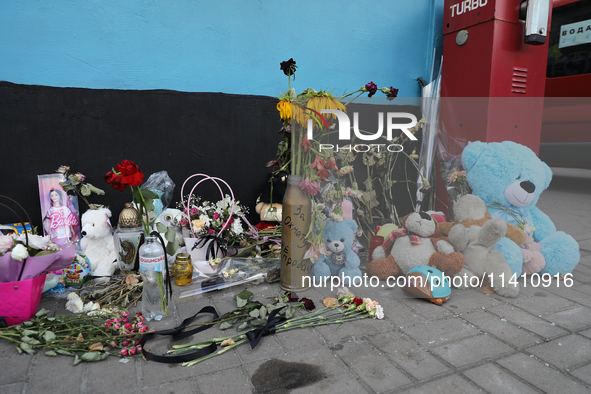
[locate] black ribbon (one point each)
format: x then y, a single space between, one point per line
179 333
255 335
217 245
3 323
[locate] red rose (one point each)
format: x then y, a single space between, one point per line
130 173
115 180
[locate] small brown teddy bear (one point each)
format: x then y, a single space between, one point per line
419 242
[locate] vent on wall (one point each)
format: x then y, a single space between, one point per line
519 81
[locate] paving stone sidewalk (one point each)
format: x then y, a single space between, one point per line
539 341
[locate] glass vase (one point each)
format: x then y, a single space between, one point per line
297 212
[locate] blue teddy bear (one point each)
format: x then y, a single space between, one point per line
511 177
339 237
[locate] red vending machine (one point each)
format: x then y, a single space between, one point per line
494 69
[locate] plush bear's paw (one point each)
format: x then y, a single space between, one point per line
465 282
384 268
444 247
378 253
507 290
449 264
532 261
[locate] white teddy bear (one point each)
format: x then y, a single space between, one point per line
97 241
476 243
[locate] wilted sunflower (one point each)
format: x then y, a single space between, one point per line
284 108
317 101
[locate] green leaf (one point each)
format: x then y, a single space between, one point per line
42 312
227 324
73 179
263 312
85 190
171 248
253 305
289 312
30 332
27 348
240 302
255 313
258 322
49 336
149 194
149 204
30 341
65 352
242 326
77 360
95 189
94 356
170 234
161 228
50 353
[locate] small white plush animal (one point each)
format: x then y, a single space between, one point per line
476 243
97 241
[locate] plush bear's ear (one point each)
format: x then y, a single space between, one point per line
351 223
471 153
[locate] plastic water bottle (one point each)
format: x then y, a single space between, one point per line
152 260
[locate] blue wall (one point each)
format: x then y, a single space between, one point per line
231 46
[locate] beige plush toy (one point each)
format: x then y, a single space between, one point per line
419 242
474 235
268 212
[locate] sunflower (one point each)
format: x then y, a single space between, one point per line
317 101
284 108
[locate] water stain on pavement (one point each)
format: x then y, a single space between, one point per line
280 377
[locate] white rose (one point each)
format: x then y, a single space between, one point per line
75 306
19 252
35 241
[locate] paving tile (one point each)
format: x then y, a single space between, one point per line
572 319
470 300
541 376
15 369
495 380
435 333
337 384
583 373
586 333
178 386
399 314
371 366
15 388
525 320
7 349
500 329
300 340
268 347
573 295
409 356
542 302
45 379
448 384
427 309
100 380
229 381
471 350
354 329
564 352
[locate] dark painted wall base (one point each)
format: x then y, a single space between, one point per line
228 136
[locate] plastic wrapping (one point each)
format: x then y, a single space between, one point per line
161 184
235 271
449 151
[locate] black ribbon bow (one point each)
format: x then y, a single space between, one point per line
179 333
217 245
255 335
